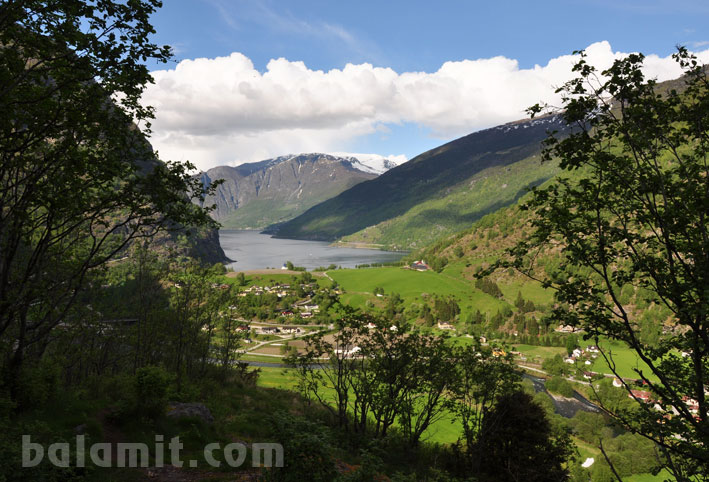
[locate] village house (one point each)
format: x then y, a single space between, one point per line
641 395
290 330
565 329
444 325
691 404
347 352
419 266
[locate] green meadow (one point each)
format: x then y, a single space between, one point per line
411 285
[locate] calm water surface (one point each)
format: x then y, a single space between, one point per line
253 250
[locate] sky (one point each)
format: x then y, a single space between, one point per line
255 79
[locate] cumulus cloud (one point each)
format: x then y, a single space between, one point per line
224 111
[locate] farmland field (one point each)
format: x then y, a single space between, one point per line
411 284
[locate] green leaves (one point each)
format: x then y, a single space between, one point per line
630 210
78 179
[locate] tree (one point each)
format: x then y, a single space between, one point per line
481 379
630 209
520 444
427 400
572 343
78 180
376 377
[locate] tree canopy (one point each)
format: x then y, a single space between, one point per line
630 210
78 179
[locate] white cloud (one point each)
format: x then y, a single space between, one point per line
224 111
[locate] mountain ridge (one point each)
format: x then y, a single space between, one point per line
255 195
428 177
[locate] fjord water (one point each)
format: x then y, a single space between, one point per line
253 250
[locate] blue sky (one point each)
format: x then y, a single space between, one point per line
393 38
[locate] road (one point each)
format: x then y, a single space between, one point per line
286 338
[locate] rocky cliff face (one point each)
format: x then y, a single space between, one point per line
256 195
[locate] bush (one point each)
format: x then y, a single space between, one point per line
151 386
555 366
308 449
561 386
38 385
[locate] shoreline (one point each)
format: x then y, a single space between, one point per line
362 245
268 271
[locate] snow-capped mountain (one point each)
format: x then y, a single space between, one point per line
257 194
372 163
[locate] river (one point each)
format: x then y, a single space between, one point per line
253 250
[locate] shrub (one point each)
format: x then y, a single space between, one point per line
308 449
151 386
560 386
38 385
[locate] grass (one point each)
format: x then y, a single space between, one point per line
625 359
261 279
586 450
531 290
277 377
411 285
664 475
539 353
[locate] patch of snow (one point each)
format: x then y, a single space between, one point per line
372 163
369 163
588 462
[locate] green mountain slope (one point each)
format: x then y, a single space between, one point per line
435 193
458 207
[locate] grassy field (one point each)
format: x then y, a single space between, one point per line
537 354
360 283
260 358
625 359
531 290
276 377
664 475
